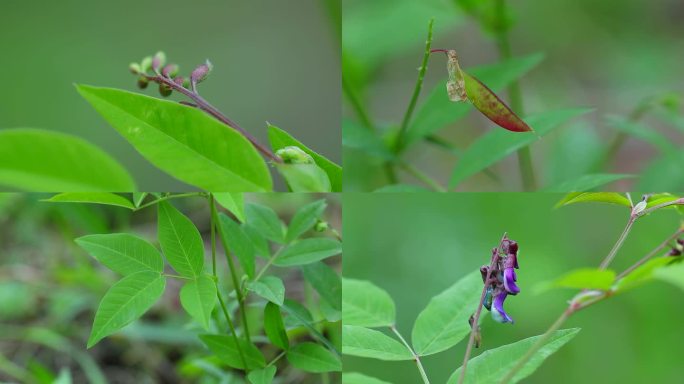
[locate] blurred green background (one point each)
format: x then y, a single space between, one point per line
416 246
608 55
273 61
50 289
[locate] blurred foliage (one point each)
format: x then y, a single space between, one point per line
415 247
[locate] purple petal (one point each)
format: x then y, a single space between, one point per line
498 313
509 281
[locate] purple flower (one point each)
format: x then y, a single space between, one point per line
509 281
498 313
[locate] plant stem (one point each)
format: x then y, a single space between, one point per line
177 276
268 264
650 254
232 327
399 145
211 110
280 355
645 212
356 105
515 95
213 237
423 375
427 180
611 255
233 274
169 197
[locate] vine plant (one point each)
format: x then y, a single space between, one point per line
456 312
217 300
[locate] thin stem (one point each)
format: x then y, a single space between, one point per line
645 212
418 174
280 355
169 197
529 180
233 274
650 254
356 105
423 375
399 145
540 342
231 326
611 255
177 276
213 236
268 264
211 110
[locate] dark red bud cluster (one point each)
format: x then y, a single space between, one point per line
161 71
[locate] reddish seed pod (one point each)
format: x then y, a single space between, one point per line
200 73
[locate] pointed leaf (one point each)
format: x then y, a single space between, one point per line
238 242
274 327
299 315
265 220
304 219
270 288
308 251
226 349
586 182
365 304
262 376
311 357
280 139
45 161
364 342
444 321
673 275
305 177
326 282
180 241
492 365
597 197
233 202
198 298
359 378
126 301
104 198
123 253
138 198
497 144
584 278
641 274
492 107
183 141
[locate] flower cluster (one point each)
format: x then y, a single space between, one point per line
166 75
500 279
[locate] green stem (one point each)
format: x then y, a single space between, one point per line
15 371
423 375
268 264
213 237
611 255
233 274
169 197
399 145
650 254
427 180
529 180
356 105
232 327
280 355
177 276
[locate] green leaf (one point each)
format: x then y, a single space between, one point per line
183 141
270 288
238 242
304 219
180 241
198 298
138 198
233 202
597 197
364 342
226 349
123 253
492 365
438 111
642 132
361 138
265 220
311 357
400 188
359 378
45 161
308 251
444 321
104 198
302 316
673 275
586 182
274 327
259 242
489 104
126 301
365 304
326 282
262 376
497 144
584 278
641 274
280 139
305 177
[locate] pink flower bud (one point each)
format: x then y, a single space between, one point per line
200 73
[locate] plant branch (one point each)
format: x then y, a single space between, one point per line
231 326
356 105
623 236
645 212
423 375
650 254
169 197
427 180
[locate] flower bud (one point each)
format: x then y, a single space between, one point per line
142 82
134 68
179 80
146 64
158 61
639 207
321 226
294 155
200 73
165 90
170 70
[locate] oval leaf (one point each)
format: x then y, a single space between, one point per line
180 241
226 349
364 342
585 278
262 376
183 141
265 220
304 219
308 251
365 304
123 253
126 301
274 327
326 282
45 161
104 198
238 242
311 357
444 322
198 298
233 202
491 106
270 288
596 197
492 365
305 177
